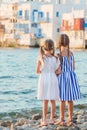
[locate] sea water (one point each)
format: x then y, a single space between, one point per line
18 79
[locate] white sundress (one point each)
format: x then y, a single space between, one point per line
48 82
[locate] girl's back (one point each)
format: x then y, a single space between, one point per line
68 63
48 82
49 64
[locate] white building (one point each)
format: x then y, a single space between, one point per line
36 20
9 14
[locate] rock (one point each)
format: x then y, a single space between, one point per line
3 128
14 120
6 124
80 121
36 116
21 122
68 128
83 126
7 118
74 128
75 117
82 112
12 127
24 127
62 128
44 128
79 118
85 118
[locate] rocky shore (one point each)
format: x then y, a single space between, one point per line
33 122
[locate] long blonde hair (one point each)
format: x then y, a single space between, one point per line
47 45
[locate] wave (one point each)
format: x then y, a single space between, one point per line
6 77
35 77
26 91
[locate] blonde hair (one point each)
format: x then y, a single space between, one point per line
47 45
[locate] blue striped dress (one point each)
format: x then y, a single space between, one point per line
69 89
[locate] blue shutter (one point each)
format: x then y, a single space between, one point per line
57 14
20 12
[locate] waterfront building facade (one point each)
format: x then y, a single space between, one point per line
32 21
8 12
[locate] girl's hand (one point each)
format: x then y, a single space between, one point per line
58 71
39 72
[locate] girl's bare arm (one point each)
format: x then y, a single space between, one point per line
38 71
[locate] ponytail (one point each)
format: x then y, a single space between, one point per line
41 51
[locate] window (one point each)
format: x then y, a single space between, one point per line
13 20
26 14
58 30
59 1
39 30
76 34
26 28
40 14
47 16
34 25
20 12
57 14
12 31
35 11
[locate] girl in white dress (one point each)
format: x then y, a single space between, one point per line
48 89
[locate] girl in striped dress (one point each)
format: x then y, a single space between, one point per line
69 89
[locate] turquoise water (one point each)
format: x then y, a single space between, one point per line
18 80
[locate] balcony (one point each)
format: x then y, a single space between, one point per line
41 20
38 35
44 20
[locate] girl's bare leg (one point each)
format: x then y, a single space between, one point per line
62 113
62 110
52 113
45 108
70 112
